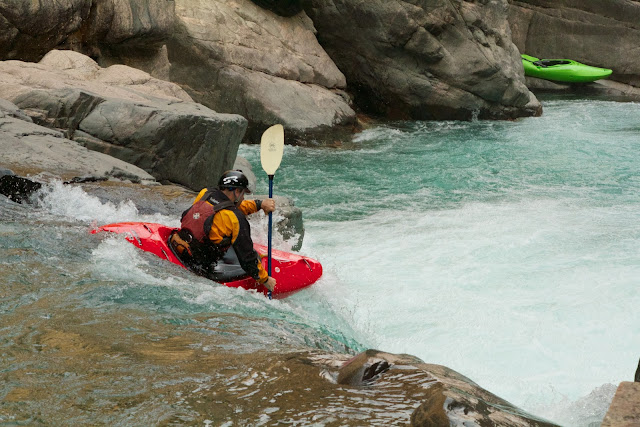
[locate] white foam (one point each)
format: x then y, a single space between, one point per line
521 297
72 202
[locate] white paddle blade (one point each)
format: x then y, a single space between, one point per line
272 148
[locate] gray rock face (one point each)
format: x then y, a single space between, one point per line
426 59
125 24
28 148
604 89
236 57
186 145
126 113
28 30
590 31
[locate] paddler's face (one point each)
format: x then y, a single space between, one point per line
239 193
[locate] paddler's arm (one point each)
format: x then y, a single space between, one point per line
249 207
225 223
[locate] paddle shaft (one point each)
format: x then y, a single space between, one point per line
271 151
270 228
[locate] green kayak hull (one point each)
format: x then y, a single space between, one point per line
562 70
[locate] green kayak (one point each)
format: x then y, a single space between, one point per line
562 70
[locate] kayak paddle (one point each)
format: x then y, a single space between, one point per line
271 150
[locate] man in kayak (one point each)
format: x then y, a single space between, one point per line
215 223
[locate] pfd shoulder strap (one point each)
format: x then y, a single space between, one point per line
209 196
217 207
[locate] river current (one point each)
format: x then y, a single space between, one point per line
507 251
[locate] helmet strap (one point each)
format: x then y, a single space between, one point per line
237 198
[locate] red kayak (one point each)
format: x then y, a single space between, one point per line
292 272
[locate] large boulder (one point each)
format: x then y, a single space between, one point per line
30 149
126 113
236 57
590 31
426 59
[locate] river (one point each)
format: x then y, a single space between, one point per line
508 251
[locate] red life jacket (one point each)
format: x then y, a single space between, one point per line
199 217
200 254
195 226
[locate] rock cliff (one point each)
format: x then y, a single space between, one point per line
426 59
404 59
267 68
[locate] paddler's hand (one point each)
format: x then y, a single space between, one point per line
268 205
270 283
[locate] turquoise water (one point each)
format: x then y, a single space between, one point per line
509 251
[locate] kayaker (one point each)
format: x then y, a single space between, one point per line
216 222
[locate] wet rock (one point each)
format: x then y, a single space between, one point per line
362 369
127 114
625 407
605 89
118 361
426 59
17 188
445 397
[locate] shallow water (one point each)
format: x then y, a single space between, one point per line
507 251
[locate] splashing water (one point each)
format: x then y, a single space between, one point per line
509 251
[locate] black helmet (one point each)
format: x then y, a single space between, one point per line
234 179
